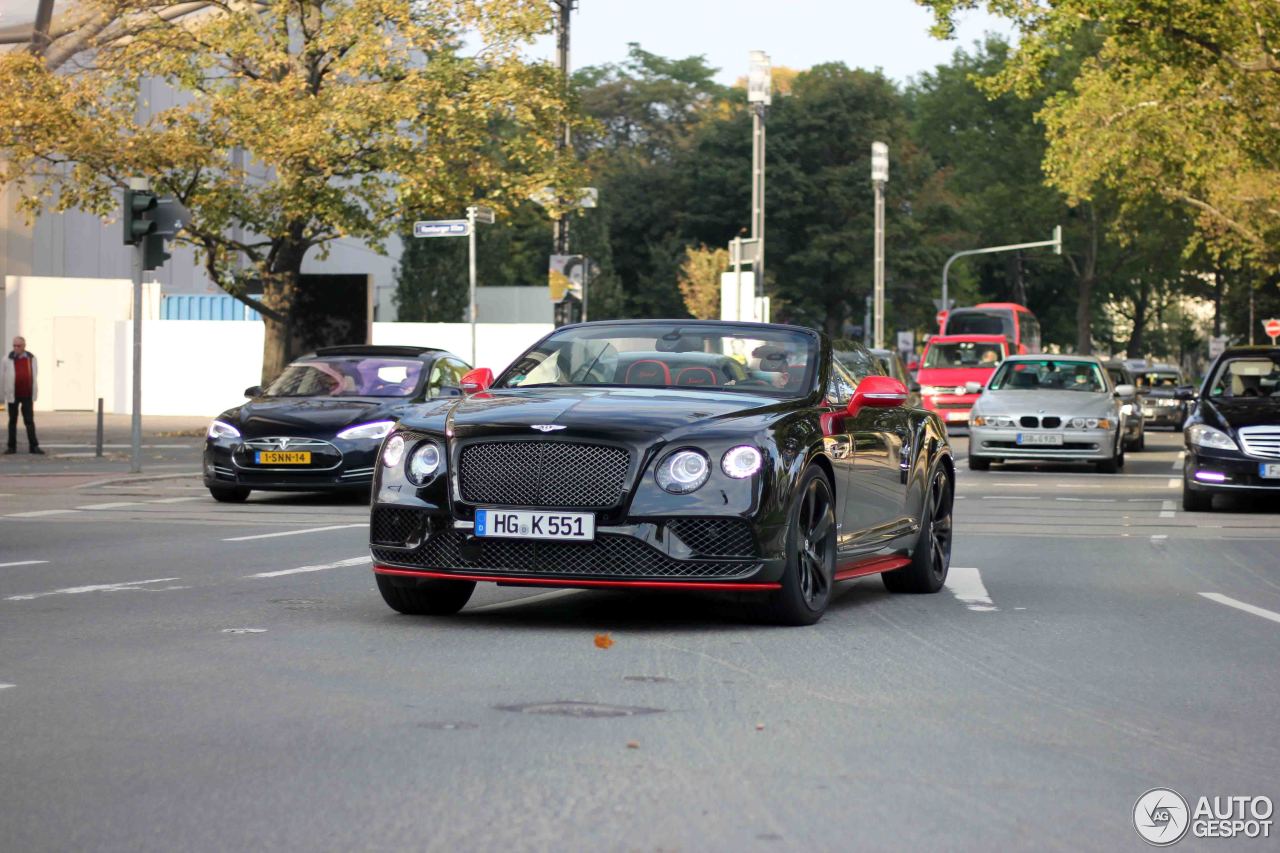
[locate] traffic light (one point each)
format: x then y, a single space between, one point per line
138 217
153 252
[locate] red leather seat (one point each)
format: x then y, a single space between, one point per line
649 371
701 376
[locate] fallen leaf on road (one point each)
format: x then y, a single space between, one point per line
633 744
603 641
759 727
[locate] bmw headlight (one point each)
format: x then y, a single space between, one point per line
424 462
1203 435
375 431
1090 423
741 462
222 429
992 421
393 451
683 471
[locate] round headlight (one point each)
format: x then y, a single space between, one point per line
741 462
1077 423
424 462
1091 423
684 471
393 451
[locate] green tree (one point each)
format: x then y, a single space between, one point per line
700 281
348 112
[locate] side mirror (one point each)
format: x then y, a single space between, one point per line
973 387
476 380
1185 392
1126 391
880 392
253 391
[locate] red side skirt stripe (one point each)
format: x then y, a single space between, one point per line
873 566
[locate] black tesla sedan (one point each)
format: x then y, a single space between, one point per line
1233 431
319 425
666 455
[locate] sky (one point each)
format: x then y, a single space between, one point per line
892 35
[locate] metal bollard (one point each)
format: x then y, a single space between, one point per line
99 451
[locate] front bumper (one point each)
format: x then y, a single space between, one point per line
1240 473
1090 445
224 465
952 408
702 552
1163 415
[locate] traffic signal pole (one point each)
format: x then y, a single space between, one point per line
1055 242
135 431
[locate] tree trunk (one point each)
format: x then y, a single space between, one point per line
1087 275
1136 346
280 293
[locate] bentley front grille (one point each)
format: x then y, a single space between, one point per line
543 473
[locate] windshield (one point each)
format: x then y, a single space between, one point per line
1058 374
963 354
1159 379
347 377
1247 377
979 323
671 355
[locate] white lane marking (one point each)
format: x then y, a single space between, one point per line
1177 462
122 446
131 586
244 630
966 584
40 512
1010 498
22 563
116 505
177 500
3 686
1174 482
1158 538
294 532
351 561
1088 500
542 596
1240 605
1166 509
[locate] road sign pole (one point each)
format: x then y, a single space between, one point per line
471 240
135 428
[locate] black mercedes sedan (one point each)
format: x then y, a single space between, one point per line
319 425
666 455
1233 431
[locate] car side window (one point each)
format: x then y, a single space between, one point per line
456 370
840 386
437 377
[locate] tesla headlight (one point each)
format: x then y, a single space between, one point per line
741 462
992 421
683 471
1202 435
393 451
222 429
424 462
375 431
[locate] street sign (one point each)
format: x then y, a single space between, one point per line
442 228
747 251
906 342
484 215
1217 344
1272 328
941 317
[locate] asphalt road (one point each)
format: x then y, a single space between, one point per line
177 674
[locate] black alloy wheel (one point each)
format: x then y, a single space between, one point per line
811 555
931 559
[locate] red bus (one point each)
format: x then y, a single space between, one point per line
1014 321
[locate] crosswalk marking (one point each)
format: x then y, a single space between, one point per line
966 585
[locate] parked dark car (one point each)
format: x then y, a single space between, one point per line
666 455
1233 431
319 425
1135 434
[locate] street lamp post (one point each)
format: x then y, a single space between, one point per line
879 177
759 96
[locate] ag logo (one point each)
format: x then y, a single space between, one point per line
1161 817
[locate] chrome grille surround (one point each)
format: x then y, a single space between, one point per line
1260 441
542 474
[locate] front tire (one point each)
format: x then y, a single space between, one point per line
229 494
931 558
978 463
811 555
424 596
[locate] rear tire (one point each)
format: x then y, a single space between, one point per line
931 558
1193 501
978 463
424 596
811 555
229 494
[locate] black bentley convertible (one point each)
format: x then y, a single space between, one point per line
319 425
666 455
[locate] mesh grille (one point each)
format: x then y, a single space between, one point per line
609 555
395 525
543 473
715 537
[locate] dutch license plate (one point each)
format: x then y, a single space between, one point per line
535 524
1050 439
1269 470
282 457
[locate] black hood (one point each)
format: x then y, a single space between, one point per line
630 415
1236 412
311 416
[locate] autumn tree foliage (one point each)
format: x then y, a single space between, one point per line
700 280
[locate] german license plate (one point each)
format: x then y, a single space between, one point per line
957 416
1269 470
535 524
1040 439
282 457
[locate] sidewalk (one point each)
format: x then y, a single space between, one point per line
169 445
